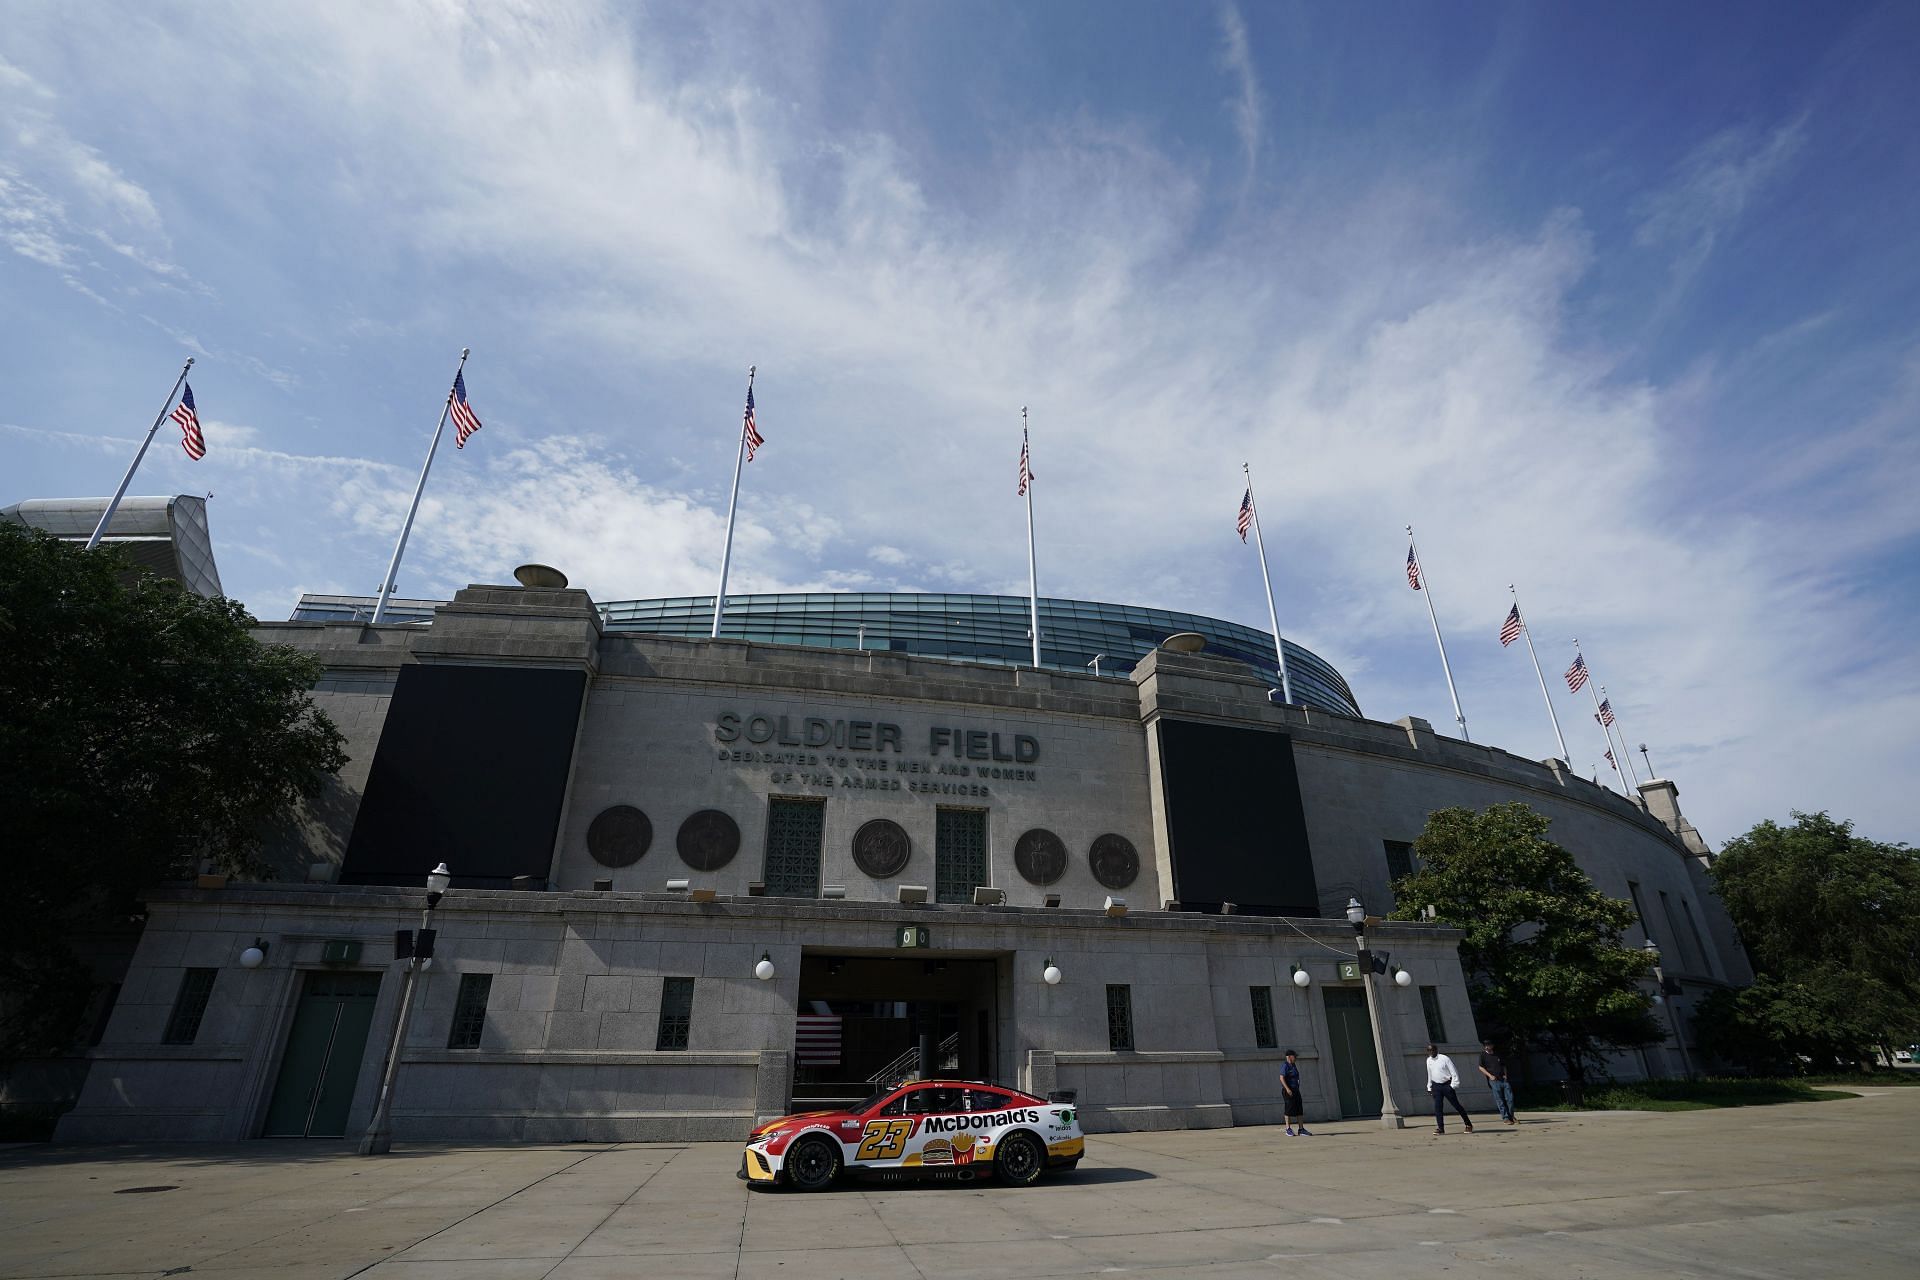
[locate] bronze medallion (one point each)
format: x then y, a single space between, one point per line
1114 862
1041 856
881 848
708 840
619 836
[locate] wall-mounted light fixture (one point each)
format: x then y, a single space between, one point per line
1051 900
986 895
678 885
764 970
603 885
254 956
1116 906
1301 978
912 893
834 891
1050 973
1401 978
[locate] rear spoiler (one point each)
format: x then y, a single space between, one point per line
1062 1095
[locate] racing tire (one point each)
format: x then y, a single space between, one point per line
1019 1159
812 1165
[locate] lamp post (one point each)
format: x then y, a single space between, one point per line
1357 917
1660 998
379 1138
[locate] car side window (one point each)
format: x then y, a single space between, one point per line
985 1100
940 1101
894 1108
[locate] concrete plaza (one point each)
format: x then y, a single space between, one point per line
1814 1189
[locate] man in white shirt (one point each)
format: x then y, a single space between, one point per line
1441 1079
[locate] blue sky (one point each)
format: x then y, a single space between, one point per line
1615 303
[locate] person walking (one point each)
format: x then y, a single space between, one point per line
1295 1106
1494 1068
1441 1081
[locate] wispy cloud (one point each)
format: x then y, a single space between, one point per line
1245 105
1712 188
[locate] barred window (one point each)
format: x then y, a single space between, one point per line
190 1005
1263 1036
1120 1017
793 847
1430 1005
470 1011
676 1013
959 853
1399 858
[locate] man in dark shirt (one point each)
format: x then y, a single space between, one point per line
1494 1068
1295 1107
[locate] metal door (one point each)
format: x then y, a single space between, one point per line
328 1038
1356 1071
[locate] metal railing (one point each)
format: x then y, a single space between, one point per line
948 1056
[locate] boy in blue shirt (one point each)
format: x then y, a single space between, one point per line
1295 1107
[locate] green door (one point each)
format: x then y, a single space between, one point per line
324 1047
1356 1071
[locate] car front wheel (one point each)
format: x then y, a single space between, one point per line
1018 1159
813 1164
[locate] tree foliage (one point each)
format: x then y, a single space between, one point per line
1542 954
1831 922
145 732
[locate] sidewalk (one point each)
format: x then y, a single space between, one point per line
1815 1189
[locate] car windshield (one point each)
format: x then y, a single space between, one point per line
860 1108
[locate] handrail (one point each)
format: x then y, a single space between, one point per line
893 1070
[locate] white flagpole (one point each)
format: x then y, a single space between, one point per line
1426 589
400 547
1273 615
1632 772
1559 737
1593 691
733 504
1033 570
99 530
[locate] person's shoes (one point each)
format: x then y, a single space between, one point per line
1511 1120
1439 1133
1289 1133
1304 1132
1469 1128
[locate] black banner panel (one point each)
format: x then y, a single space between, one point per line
471 770
1234 820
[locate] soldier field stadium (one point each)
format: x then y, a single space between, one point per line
700 882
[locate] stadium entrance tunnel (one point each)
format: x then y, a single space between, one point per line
863 1021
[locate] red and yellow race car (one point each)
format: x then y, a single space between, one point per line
957 1129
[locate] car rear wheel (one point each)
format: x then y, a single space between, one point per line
1018 1159
813 1164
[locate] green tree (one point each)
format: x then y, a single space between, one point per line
143 732
1542 954
1831 922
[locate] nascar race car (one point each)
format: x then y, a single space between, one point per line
937 1128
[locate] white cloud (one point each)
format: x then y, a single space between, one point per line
1713 187
1236 55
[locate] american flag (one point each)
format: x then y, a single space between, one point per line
754 438
1246 513
1510 629
817 1040
1613 762
1577 673
1606 711
190 438
1413 570
1026 471
464 421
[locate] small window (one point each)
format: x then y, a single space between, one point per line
196 985
1399 859
676 1013
1699 945
1119 1017
1263 1036
1639 912
1430 1005
470 1011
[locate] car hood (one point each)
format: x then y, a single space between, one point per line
802 1117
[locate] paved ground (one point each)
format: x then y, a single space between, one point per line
1816 1189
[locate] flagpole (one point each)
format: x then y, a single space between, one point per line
400 547
1593 691
100 530
1544 695
733 504
1426 589
1632 772
1033 569
1273 615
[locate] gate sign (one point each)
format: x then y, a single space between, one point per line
1349 970
913 935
